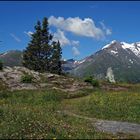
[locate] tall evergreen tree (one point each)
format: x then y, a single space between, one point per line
32 54
46 45
43 54
56 58
59 54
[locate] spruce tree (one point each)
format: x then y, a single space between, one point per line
36 55
32 54
59 54
43 54
46 45
56 58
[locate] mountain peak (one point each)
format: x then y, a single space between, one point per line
134 47
110 44
126 45
113 41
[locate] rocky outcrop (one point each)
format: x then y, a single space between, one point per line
110 75
11 77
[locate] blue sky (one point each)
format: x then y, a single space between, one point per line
82 27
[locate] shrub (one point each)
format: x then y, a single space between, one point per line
26 78
1 65
88 79
95 83
92 81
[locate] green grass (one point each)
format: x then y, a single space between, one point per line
110 105
26 78
2 86
34 114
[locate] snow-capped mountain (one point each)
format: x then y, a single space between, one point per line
122 58
70 64
134 47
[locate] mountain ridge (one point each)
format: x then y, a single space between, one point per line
120 58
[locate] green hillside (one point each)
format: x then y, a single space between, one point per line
12 58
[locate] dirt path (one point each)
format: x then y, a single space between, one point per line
112 127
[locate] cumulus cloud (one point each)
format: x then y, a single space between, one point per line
15 37
75 51
29 33
59 35
75 42
82 27
107 30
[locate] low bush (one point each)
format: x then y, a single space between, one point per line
88 79
95 83
26 78
92 81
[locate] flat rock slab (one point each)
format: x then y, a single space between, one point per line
115 127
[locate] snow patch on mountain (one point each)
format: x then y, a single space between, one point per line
82 61
114 52
131 61
79 62
138 44
126 45
2 55
134 47
108 45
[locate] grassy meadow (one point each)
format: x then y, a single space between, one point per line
34 114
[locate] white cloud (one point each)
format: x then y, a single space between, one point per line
29 33
107 30
59 35
75 42
75 51
85 27
15 37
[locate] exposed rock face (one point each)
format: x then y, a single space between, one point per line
110 75
11 77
